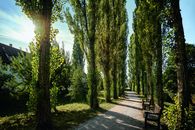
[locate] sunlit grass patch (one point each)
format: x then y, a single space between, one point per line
73 107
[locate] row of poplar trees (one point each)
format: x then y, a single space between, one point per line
100 28
151 20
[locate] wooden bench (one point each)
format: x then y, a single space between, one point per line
153 115
146 104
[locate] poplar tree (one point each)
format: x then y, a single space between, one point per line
77 56
43 13
82 23
121 48
180 53
148 39
104 40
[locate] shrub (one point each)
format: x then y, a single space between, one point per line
171 116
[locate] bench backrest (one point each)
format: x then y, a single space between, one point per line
157 109
148 99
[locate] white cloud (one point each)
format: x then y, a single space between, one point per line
16 26
20 28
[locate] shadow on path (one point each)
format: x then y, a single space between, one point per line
126 115
138 101
112 121
138 108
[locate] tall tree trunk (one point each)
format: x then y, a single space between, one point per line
114 45
159 58
132 85
114 81
107 85
123 82
43 112
92 79
149 78
119 84
159 73
137 67
180 62
146 84
143 81
159 68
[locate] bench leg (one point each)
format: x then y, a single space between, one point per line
158 125
145 123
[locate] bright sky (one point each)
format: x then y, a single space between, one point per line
18 30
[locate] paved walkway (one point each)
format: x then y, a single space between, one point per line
126 115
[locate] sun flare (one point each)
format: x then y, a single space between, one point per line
27 30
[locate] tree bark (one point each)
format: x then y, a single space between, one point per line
43 112
159 69
137 65
119 83
159 57
149 78
180 62
107 86
92 79
143 81
114 82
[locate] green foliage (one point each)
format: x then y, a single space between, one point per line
54 97
78 89
5 75
82 23
32 101
60 74
171 115
20 70
18 121
23 75
170 76
33 9
77 56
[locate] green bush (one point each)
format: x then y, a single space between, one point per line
32 102
53 97
78 89
171 116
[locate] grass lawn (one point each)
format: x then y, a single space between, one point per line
67 116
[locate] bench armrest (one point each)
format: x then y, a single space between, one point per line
150 113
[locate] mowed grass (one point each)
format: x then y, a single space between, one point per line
67 116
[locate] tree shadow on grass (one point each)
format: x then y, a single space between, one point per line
66 120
